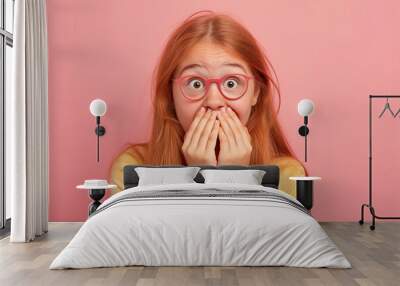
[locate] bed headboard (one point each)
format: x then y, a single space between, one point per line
270 179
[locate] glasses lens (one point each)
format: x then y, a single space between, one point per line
234 86
194 87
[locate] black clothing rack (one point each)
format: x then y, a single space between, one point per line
370 204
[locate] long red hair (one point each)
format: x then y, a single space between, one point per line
167 135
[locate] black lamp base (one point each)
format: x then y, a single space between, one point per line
303 130
100 130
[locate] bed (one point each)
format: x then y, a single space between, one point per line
201 224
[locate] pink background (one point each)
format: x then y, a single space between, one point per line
333 52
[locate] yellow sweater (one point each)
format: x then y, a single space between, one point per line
288 167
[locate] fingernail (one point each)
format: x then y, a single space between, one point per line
229 109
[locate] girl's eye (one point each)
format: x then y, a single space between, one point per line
232 82
195 83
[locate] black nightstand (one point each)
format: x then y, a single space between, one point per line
304 190
96 193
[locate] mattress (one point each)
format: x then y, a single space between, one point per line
195 224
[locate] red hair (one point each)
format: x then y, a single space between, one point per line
167 135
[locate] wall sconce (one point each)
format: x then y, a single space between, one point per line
305 108
98 108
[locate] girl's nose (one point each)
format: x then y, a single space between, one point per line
214 99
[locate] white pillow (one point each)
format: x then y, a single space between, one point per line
249 176
170 175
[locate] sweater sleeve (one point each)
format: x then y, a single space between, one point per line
288 167
117 170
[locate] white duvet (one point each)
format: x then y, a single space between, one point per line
182 231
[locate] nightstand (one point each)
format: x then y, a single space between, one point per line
97 190
304 190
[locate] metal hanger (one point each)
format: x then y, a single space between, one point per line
398 111
387 106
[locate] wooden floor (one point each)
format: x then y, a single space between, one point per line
375 256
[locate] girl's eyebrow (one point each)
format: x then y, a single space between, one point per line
191 66
235 65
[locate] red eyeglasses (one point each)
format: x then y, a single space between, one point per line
231 86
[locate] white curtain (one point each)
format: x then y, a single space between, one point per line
27 124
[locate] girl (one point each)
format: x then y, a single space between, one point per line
213 103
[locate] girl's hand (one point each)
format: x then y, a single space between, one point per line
235 139
199 143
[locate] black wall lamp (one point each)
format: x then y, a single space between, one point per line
98 108
305 108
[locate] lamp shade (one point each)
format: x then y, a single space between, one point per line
305 107
98 107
